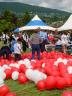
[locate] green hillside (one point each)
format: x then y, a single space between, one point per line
20 9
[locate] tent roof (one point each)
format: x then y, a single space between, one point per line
67 25
36 21
34 24
36 18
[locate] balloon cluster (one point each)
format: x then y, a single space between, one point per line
4 91
54 70
67 93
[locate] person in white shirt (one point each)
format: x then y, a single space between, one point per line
18 50
64 40
58 42
5 38
58 45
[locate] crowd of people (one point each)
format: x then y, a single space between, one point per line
60 41
16 44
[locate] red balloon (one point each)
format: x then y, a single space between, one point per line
33 63
54 71
50 82
71 78
60 82
23 56
67 93
22 68
4 90
7 61
41 85
12 61
22 78
37 65
41 70
14 69
69 63
68 80
51 38
8 73
2 61
10 94
62 69
48 69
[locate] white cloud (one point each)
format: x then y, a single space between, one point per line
56 4
9 0
43 4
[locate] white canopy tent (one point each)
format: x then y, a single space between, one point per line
67 25
34 24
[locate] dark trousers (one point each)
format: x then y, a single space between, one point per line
35 48
17 57
42 45
58 48
5 52
24 45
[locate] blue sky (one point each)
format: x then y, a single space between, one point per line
65 5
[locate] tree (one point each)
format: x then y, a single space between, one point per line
5 25
9 16
26 18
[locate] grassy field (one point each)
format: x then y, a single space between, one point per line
30 89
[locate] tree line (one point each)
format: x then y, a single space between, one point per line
10 21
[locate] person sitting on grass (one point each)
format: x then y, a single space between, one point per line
5 51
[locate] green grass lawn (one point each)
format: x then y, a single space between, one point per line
30 89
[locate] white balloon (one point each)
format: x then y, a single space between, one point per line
20 62
43 65
65 61
59 59
56 63
37 76
1 70
11 65
3 75
16 65
27 63
69 69
9 68
15 75
1 82
36 71
34 61
44 76
5 66
29 74
26 60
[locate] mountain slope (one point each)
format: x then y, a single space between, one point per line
20 8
